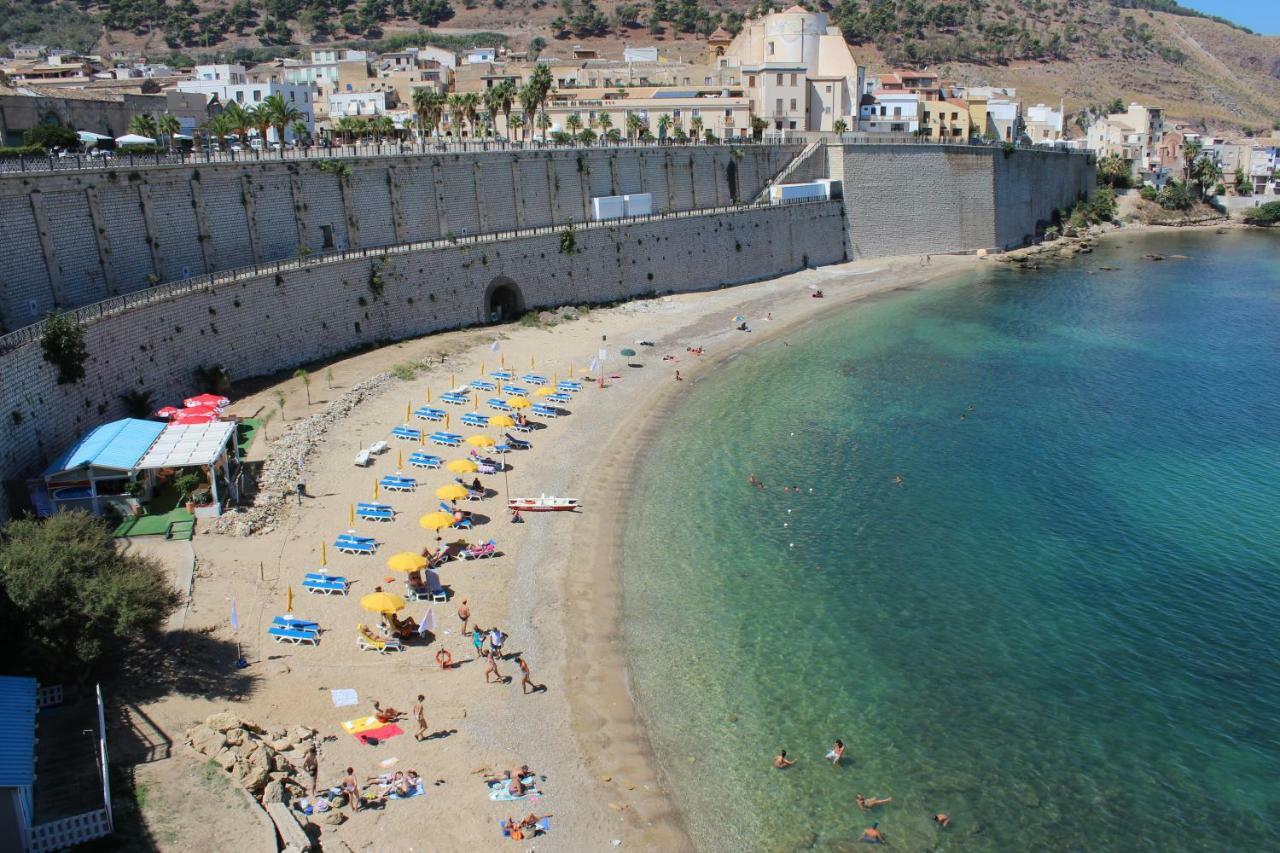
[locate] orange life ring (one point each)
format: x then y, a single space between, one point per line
444 659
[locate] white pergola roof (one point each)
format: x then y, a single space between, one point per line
181 446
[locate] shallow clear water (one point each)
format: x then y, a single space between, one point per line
1061 628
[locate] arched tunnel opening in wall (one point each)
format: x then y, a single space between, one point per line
503 301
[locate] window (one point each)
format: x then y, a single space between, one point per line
751 81
883 111
771 53
926 115
791 125
706 81
777 107
828 88
793 104
955 116
257 95
240 96
793 79
897 112
779 79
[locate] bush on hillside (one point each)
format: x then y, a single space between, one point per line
51 136
1176 196
70 600
1267 214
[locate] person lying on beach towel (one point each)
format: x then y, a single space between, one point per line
385 715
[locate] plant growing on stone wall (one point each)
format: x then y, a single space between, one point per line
1008 148
342 170
568 243
303 251
376 285
451 237
64 348
138 404
215 378
152 279
583 168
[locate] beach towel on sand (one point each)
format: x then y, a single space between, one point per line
499 793
344 697
370 730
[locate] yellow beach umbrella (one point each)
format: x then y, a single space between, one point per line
288 600
407 561
501 421
382 602
462 466
452 492
481 440
543 392
518 402
436 521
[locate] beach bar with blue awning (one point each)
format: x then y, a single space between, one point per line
96 471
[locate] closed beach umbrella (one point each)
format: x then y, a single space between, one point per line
382 602
480 440
501 421
407 561
452 492
462 466
518 402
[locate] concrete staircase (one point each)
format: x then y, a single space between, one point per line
804 159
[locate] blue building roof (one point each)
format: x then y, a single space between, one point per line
17 732
119 445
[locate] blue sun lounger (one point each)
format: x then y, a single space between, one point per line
483 385
418 459
298 638
355 537
558 398
535 379
475 419
324 584
397 483
349 546
545 411
427 413
407 433
375 512
454 398
498 403
517 443
501 375
515 389
447 439
568 385
525 427
296 624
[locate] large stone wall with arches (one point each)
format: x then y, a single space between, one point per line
72 238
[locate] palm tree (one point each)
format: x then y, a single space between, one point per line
506 98
429 105
300 131
839 125
281 113
492 100
471 109
457 111
515 123
222 125
604 122
544 123
541 82
587 136
573 123
238 118
528 97
635 124
695 128
664 124
1190 151
143 125
382 126
168 124
260 120
1207 173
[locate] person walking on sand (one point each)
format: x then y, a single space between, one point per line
491 668
836 753
526 678
418 715
679 378
477 639
351 787
464 613
311 767
781 761
496 639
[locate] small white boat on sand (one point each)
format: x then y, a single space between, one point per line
543 504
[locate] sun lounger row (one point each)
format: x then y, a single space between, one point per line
349 543
299 632
475 419
557 398
407 433
498 403
546 411
512 390
569 385
325 584
418 459
368 511
501 375
517 443
454 398
398 483
446 439
483 385
365 457
428 413
535 379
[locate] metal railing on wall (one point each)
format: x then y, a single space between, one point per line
72 162
210 281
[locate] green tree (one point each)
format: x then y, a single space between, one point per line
281 114
143 125
300 132
1113 171
71 600
429 106
664 124
51 136
221 126
302 374
168 125
839 125
695 127
573 123
635 124
1244 186
1175 196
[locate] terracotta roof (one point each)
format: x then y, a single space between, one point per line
890 78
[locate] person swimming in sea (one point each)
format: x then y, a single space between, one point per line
942 820
836 753
897 480
867 804
873 835
781 761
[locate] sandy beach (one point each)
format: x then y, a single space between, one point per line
555 590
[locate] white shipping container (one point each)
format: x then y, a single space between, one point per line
779 193
607 207
638 204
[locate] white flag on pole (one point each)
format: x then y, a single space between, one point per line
494 348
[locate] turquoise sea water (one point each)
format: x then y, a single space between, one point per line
1062 628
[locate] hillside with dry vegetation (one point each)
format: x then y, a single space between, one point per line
1205 71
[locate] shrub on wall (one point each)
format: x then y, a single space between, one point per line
64 348
1267 214
22 151
568 243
